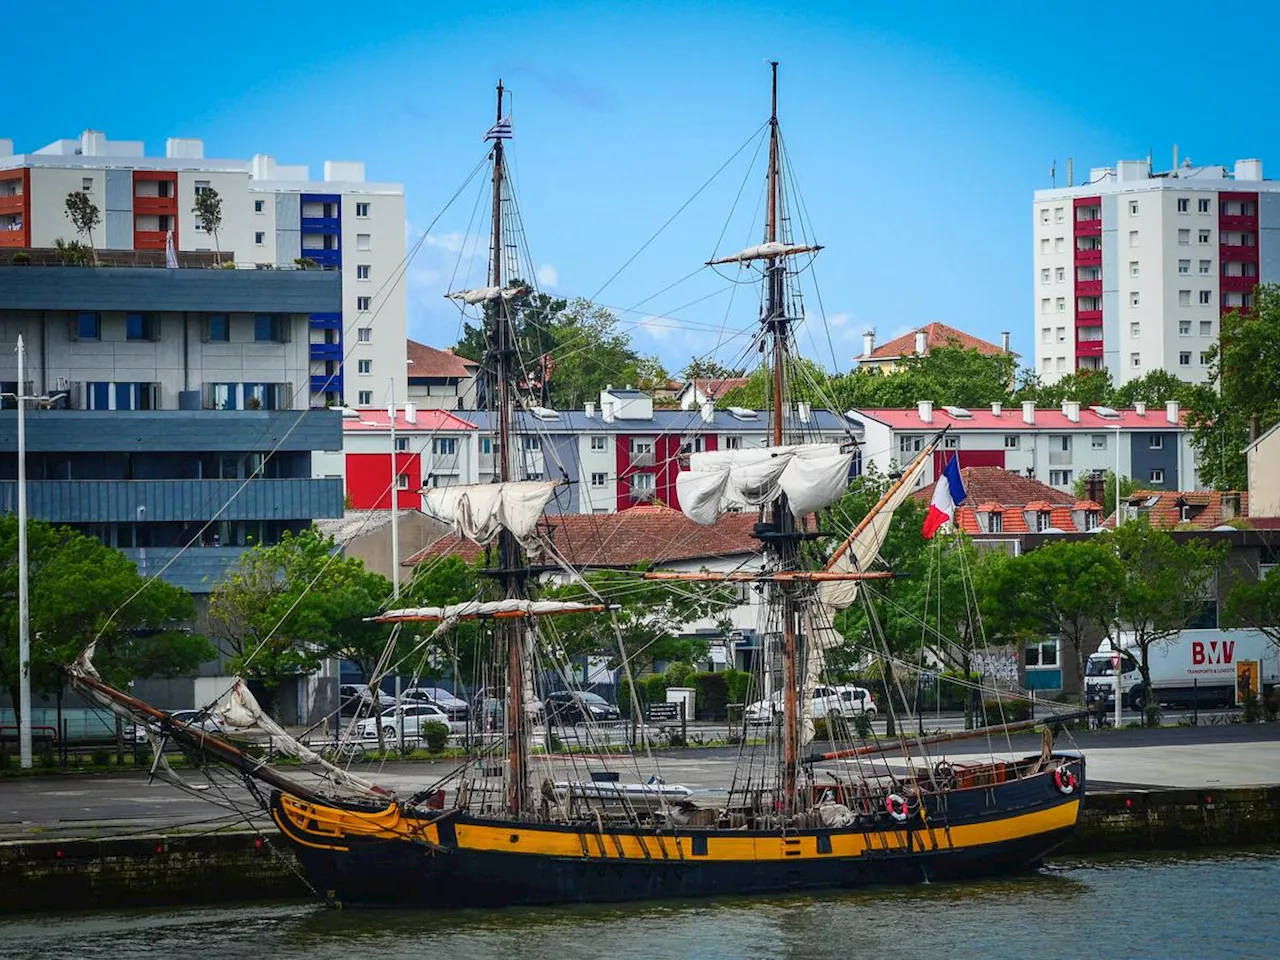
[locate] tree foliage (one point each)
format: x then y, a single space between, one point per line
83 213
703 368
208 213
1255 604
79 590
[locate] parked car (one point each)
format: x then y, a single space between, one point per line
416 717
844 700
211 723
573 706
356 698
454 706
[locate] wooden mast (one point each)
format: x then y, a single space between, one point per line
510 556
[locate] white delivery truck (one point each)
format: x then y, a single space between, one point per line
1197 666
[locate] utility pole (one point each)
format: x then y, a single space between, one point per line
395 497
24 611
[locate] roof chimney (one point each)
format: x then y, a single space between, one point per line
410 413
920 342
1140 409
868 343
589 408
802 411
1029 411
1230 505
995 409
1005 343
708 411
1171 411
925 409
1071 410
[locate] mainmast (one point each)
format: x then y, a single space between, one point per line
783 542
511 561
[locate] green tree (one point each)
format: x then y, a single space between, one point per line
1154 389
1089 388
804 380
1255 605
1127 486
704 368
1162 587
81 590
208 213
83 214
1243 394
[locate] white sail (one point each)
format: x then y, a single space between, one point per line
811 475
485 294
820 636
766 251
478 511
489 608
866 546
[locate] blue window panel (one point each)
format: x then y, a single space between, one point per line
98 395
124 396
89 326
218 328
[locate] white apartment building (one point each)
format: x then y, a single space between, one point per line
1133 269
273 216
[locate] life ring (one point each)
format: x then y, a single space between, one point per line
1065 780
896 806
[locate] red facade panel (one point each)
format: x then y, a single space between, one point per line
1083 288
19 205
166 206
369 481
968 458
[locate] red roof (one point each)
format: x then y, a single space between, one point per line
1012 496
935 335
645 534
1163 508
1010 418
718 387
427 361
428 421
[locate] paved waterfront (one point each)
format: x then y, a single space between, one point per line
1197 758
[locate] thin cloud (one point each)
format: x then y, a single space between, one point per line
548 275
568 86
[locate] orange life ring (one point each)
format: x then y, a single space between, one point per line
896 806
1065 780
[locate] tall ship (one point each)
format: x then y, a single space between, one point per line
515 822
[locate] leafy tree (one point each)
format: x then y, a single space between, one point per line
83 214
703 368
1154 389
1255 604
79 590
208 213
805 380
1127 486
1087 387
1161 588
1243 395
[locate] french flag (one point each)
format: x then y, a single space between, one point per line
947 495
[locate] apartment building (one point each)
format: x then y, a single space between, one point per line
1055 447
172 418
1132 270
274 216
440 379
887 357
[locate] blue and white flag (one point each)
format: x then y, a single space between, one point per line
500 130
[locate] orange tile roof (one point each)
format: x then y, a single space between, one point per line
936 335
1012 496
718 387
1163 510
427 361
653 534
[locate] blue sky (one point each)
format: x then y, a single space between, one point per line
917 132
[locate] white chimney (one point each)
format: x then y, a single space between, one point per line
925 409
589 408
410 413
1171 411
6 147
802 411
868 343
1028 411
920 341
606 409
1140 409
184 148
1248 170
1071 410
1005 343
93 143
995 409
708 411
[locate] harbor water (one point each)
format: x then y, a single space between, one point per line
1197 908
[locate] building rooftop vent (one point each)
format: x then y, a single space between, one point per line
544 413
1106 413
742 413
959 413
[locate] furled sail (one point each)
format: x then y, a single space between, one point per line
485 294
766 251
811 475
474 609
478 511
820 636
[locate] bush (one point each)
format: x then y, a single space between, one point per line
101 757
20 258
654 687
1013 711
306 263
862 726
436 734
712 695
555 744
678 674
1271 705
738 683
1252 708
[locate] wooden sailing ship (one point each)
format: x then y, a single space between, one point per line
804 821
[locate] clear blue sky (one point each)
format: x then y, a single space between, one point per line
917 133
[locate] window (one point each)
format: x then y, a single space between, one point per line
364 367
1059 478
1134 298
1157 476
1204 266
1133 268
1155 441
141 326
1042 654
444 446
1098 441
1044 245
1184 205
362 304
1135 329
257 206
1184 237
1133 208
533 443
1046 334
1135 359
364 334
1011 441
88 326
259 238
1043 521
598 443
995 522
1044 214
1133 238
1206 357
642 482
1184 266
486 445
1060 274
202 186
1206 328
1044 275
597 479
1062 364
731 443
1059 245
362 241
270 328
362 210
1062 334
402 444
1090 520
1203 205
1206 297
364 398
1044 305
1062 305
1184 358
1184 300
217 328
1057 215
86 184
1184 326
1062 443
362 271
402 481
951 442
1204 236
910 443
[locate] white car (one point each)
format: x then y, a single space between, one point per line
416 718
456 707
844 700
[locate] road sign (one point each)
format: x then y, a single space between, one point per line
663 711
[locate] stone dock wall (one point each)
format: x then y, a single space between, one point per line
229 867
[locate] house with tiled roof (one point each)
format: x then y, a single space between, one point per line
1000 504
1188 509
440 379
694 393
887 357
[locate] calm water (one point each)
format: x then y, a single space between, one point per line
1201 908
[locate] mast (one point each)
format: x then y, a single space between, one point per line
24 612
510 557
783 542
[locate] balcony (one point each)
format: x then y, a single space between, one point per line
643 459
1238 222
149 239
12 203
1088 348
326 321
1088 288
323 258
1088 228
195 570
1088 256
155 205
1087 318
1238 284
326 351
1236 252
326 383
321 225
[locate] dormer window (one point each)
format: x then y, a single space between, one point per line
1091 520
995 522
1042 521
